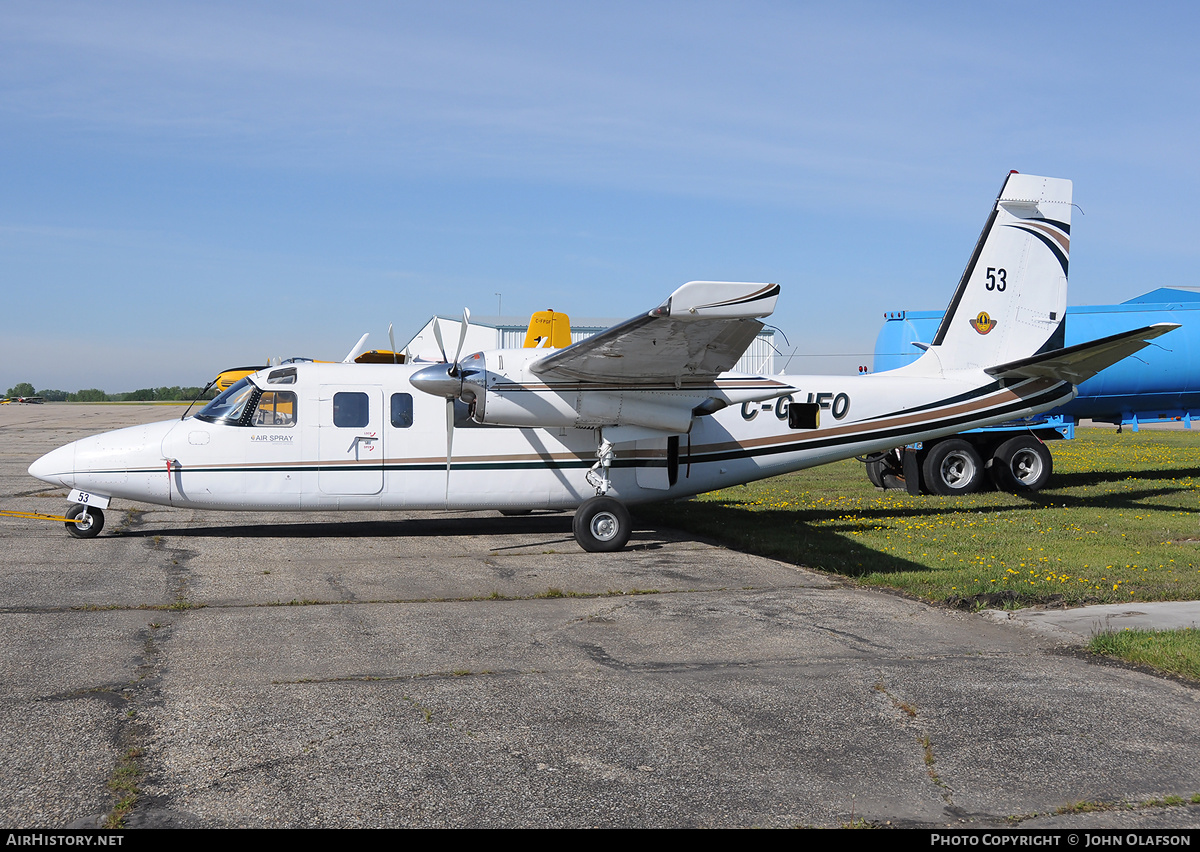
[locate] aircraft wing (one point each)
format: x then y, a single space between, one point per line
699 332
1079 363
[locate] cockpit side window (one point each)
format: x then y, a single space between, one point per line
275 408
243 404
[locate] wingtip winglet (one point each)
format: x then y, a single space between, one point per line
720 300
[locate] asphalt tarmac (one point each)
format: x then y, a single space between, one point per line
426 669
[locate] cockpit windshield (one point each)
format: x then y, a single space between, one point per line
233 405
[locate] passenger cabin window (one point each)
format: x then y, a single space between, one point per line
351 409
402 410
275 408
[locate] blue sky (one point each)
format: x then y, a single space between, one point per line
192 186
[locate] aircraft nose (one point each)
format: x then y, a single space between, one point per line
56 467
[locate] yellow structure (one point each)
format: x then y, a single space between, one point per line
548 330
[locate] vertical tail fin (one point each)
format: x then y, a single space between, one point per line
1011 301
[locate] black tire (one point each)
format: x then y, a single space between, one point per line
602 525
84 529
952 467
885 471
1022 464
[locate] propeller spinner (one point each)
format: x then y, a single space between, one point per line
446 379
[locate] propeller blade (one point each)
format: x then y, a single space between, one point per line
392 344
462 335
357 350
437 335
449 442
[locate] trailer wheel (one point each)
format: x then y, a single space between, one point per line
886 471
88 527
952 467
601 525
1022 464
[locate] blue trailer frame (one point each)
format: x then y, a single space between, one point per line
1159 384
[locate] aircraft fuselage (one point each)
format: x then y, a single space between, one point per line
361 437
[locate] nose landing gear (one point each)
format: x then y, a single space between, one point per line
86 521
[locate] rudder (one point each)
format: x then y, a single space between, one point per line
1012 298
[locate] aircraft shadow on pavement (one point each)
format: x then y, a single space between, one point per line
806 543
821 537
451 525
554 525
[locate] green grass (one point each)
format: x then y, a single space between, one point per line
1176 651
123 784
1118 523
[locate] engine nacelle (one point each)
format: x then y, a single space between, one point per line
583 409
506 393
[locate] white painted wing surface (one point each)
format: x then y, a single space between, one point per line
698 333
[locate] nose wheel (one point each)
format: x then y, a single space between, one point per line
602 525
86 521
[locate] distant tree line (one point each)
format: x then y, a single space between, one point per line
171 394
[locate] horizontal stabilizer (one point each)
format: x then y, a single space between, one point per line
1079 363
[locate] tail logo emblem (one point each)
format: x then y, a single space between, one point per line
983 323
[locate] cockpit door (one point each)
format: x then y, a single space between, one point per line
351 439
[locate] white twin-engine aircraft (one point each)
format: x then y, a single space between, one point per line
641 412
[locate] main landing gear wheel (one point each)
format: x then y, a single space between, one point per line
952 467
1021 464
88 526
602 525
